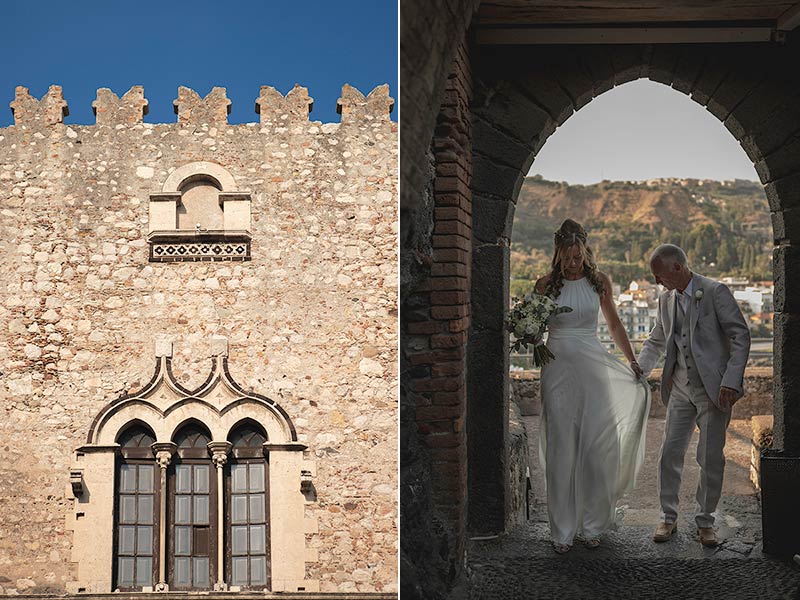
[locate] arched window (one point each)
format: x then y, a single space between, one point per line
137 494
200 208
192 511
199 215
247 498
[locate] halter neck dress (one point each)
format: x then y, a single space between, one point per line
592 435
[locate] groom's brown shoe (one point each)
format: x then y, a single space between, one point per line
707 536
664 531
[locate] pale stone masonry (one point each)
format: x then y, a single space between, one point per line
306 321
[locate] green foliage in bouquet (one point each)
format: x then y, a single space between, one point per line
527 322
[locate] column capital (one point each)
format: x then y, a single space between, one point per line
163 452
219 453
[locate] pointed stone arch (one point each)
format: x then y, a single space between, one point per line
164 407
521 95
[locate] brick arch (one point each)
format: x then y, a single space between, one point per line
520 97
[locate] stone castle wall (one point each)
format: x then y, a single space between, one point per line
311 319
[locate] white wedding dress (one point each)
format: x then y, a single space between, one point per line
592 434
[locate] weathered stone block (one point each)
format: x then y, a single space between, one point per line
786 273
786 225
194 110
487 431
163 347
511 112
599 65
545 90
29 111
493 218
662 63
110 109
219 345
492 179
786 409
781 163
275 108
490 267
629 63
500 146
783 193
356 108
686 70
714 71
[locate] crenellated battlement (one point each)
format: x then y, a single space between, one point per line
194 110
50 110
354 106
273 107
110 109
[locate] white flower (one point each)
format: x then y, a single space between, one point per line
698 294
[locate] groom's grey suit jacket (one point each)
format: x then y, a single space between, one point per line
718 336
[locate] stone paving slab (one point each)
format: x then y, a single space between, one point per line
628 564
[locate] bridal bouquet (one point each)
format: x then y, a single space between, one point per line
527 322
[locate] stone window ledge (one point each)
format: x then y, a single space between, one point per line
197 245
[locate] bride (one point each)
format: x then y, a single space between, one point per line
594 407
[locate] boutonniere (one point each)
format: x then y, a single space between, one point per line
698 294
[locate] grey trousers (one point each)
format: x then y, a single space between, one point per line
689 406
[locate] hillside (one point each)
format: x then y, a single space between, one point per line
724 226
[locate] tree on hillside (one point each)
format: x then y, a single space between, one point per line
726 255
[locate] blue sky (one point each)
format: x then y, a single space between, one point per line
241 45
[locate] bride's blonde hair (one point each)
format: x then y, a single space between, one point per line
570 234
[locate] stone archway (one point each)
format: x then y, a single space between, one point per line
521 95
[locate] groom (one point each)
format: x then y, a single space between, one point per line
701 329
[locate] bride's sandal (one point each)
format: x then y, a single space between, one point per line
592 542
561 548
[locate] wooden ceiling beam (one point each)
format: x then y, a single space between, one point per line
620 35
790 19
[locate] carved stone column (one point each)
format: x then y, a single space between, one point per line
219 456
163 452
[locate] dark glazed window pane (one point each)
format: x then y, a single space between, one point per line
183 509
144 540
126 571
144 571
183 476
127 509
239 540
201 546
239 476
257 535
200 572
126 540
182 571
247 436
257 508
240 570
258 570
145 516
146 478
256 477
201 510
201 479
127 478
183 540
239 509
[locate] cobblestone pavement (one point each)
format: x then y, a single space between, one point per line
628 564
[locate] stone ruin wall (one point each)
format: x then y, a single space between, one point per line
311 319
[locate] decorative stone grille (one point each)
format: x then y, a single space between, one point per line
203 251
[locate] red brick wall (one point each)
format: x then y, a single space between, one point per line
438 332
